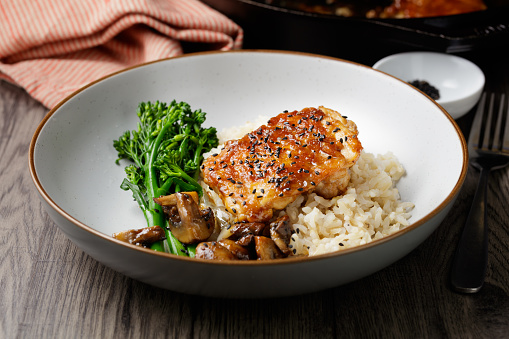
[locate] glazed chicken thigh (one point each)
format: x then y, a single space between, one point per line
294 152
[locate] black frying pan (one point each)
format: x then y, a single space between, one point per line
366 40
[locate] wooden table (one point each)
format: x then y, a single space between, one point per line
49 288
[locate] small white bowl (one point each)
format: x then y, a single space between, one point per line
459 81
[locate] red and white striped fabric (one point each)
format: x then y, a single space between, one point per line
53 47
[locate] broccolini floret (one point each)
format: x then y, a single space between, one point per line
166 151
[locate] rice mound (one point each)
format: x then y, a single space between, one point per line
369 209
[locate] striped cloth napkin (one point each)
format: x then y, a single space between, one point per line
53 47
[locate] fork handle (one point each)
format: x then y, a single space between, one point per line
471 258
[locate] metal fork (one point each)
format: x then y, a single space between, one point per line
488 145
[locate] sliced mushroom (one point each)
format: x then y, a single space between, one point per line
281 232
187 223
213 250
245 240
239 251
266 249
171 200
243 232
141 237
241 229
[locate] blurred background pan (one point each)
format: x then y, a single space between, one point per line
271 24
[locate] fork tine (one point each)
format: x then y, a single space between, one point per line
498 138
488 124
477 131
505 126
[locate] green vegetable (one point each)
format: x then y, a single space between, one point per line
166 151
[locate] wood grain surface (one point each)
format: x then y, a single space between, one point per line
49 288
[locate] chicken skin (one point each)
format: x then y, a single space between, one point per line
294 152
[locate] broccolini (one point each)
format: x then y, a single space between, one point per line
166 151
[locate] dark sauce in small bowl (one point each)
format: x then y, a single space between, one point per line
427 88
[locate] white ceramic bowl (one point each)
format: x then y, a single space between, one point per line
459 80
72 161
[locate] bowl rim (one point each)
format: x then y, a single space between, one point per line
475 69
285 261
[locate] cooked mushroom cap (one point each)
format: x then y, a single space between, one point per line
266 249
242 229
213 250
243 232
281 232
141 237
187 223
239 251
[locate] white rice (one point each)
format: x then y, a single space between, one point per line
370 208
